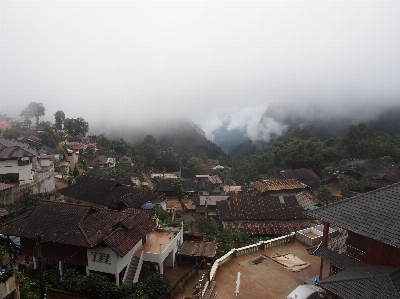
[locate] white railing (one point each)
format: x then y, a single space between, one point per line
247 250
138 269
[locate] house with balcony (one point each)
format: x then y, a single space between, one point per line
17 162
94 240
364 261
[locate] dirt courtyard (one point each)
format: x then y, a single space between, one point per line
267 279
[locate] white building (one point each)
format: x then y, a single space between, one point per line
17 162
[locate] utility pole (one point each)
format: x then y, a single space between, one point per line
39 240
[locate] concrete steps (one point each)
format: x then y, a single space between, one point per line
132 268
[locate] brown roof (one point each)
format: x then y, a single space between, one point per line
271 228
105 192
260 208
306 200
125 160
274 185
199 249
11 150
214 179
304 175
81 225
101 160
4 186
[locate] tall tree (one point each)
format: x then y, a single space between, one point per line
60 117
35 110
177 184
76 126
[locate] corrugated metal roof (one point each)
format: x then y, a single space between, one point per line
306 200
271 228
290 184
199 249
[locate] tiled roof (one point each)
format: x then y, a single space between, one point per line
125 160
101 160
339 260
306 200
4 186
106 193
10 150
274 185
260 208
367 282
81 225
271 228
375 214
304 175
199 249
11 143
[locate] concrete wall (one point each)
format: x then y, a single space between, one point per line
44 182
104 259
11 166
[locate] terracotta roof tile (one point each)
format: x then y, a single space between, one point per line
81 225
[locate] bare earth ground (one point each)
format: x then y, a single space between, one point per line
268 279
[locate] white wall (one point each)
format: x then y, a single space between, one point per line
115 264
46 162
105 260
11 166
124 261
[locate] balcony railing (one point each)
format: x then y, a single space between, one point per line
340 245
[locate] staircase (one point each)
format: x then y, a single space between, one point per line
131 271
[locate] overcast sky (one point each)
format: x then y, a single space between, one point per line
136 62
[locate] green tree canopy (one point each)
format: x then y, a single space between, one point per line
59 117
34 110
177 184
76 126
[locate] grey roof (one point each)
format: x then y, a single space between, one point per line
339 260
364 282
375 214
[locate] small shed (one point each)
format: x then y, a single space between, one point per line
196 251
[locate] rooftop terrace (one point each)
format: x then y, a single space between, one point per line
267 279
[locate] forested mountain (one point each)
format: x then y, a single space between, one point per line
320 123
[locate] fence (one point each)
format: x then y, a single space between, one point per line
182 281
248 250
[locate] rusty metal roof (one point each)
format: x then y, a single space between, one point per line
306 200
290 184
214 179
271 228
199 249
251 208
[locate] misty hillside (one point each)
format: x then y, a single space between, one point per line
320 123
182 135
